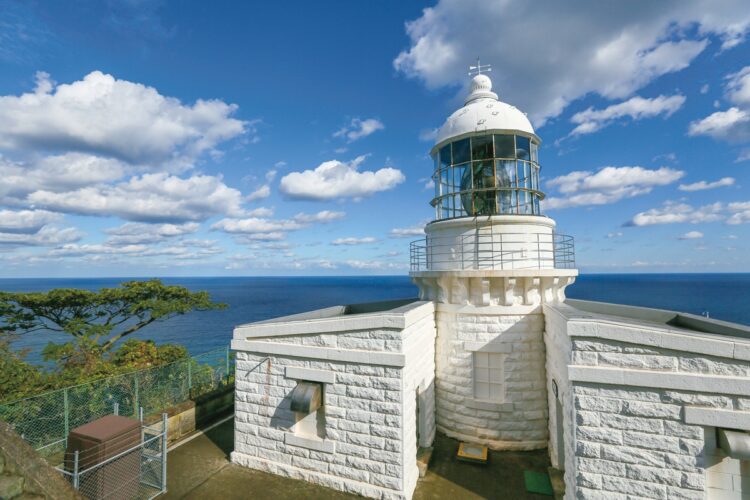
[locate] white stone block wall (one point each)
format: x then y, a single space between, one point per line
419 382
520 420
558 349
638 441
370 423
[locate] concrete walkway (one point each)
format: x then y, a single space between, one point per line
200 469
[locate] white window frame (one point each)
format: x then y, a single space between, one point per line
484 352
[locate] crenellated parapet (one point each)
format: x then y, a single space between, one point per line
495 288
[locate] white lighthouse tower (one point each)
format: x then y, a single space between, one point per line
489 261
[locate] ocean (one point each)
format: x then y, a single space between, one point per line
722 296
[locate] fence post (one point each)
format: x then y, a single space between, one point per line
66 411
116 409
190 376
75 470
227 364
136 394
164 453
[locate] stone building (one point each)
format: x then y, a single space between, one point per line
630 402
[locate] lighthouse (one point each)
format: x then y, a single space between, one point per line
490 260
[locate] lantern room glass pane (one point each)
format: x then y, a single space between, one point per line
481 147
504 147
534 152
445 156
523 147
461 151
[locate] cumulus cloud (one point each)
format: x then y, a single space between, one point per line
260 193
335 179
635 108
149 198
407 232
691 235
618 48
55 173
733 124
740 212
703 185
676 212
357 129
46 236
133 233
25 221
354 241
608 185
104 116
265 229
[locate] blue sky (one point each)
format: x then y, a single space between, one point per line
228 138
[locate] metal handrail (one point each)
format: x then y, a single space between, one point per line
493 251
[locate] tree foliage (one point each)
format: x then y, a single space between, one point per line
100 318
97 322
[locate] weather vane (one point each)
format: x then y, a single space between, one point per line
477 70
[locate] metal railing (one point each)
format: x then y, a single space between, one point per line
493 251
45 420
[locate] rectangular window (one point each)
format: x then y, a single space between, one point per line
522 147
461 151
481 147
504 146
445 156
488 376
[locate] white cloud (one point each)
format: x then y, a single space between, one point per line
738 87
357 129
618 234
703 185
260 193
25 221
55 173
260 212
134 233
691 235
618 48
635 108
324 216
673 213
740 213
375 265
407 232
732 125
46 236
428 134
354 241
105 116
335 179
264 229
149 198
608 185
704 88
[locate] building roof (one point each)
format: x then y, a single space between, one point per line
483 111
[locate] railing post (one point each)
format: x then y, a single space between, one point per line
136 394
66 412
190 375
76 480
227 364
164 453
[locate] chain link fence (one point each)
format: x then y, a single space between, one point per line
45 420
133 466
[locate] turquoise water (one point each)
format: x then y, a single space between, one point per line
723 296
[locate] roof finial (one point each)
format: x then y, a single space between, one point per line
477 70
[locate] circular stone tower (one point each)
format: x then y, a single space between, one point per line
490 260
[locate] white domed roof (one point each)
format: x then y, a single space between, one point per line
483 111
